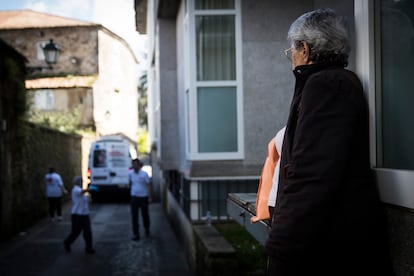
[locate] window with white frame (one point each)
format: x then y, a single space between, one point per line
384 50
215 94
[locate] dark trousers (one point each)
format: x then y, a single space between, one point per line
136 204
55 206
80 223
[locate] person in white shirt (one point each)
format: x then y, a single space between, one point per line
54 190
140 189
275 183
80 217
269 180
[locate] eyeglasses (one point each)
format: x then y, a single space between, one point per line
288 53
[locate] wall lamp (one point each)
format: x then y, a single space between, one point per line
51 53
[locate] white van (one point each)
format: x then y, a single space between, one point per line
109 163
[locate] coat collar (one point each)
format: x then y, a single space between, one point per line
302 72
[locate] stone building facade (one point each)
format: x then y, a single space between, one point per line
96 72
96 69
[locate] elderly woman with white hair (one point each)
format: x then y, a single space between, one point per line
328 219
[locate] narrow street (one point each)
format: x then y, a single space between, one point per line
39 251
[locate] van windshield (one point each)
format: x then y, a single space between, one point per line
99 158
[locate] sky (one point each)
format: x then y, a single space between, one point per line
116 15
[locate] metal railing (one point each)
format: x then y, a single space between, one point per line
212 194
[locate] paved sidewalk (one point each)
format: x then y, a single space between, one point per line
40 251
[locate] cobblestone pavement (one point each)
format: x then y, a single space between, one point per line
39 251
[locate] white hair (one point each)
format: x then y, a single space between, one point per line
325 33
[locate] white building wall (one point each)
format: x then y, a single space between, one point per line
168 108
115 91
151 80
182 84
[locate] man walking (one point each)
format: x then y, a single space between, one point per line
54 190
140 189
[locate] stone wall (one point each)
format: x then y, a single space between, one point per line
214 254
33 150
78 47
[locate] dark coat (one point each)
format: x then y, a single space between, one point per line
328 218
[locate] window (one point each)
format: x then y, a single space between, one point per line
217 119
215 94
39 50
384 47
396 101
215 48
44 100
99 158
214 4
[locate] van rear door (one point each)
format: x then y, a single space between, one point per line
118 163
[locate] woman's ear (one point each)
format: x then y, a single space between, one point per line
305 52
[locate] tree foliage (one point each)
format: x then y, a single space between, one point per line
65 121
143 101
143 142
